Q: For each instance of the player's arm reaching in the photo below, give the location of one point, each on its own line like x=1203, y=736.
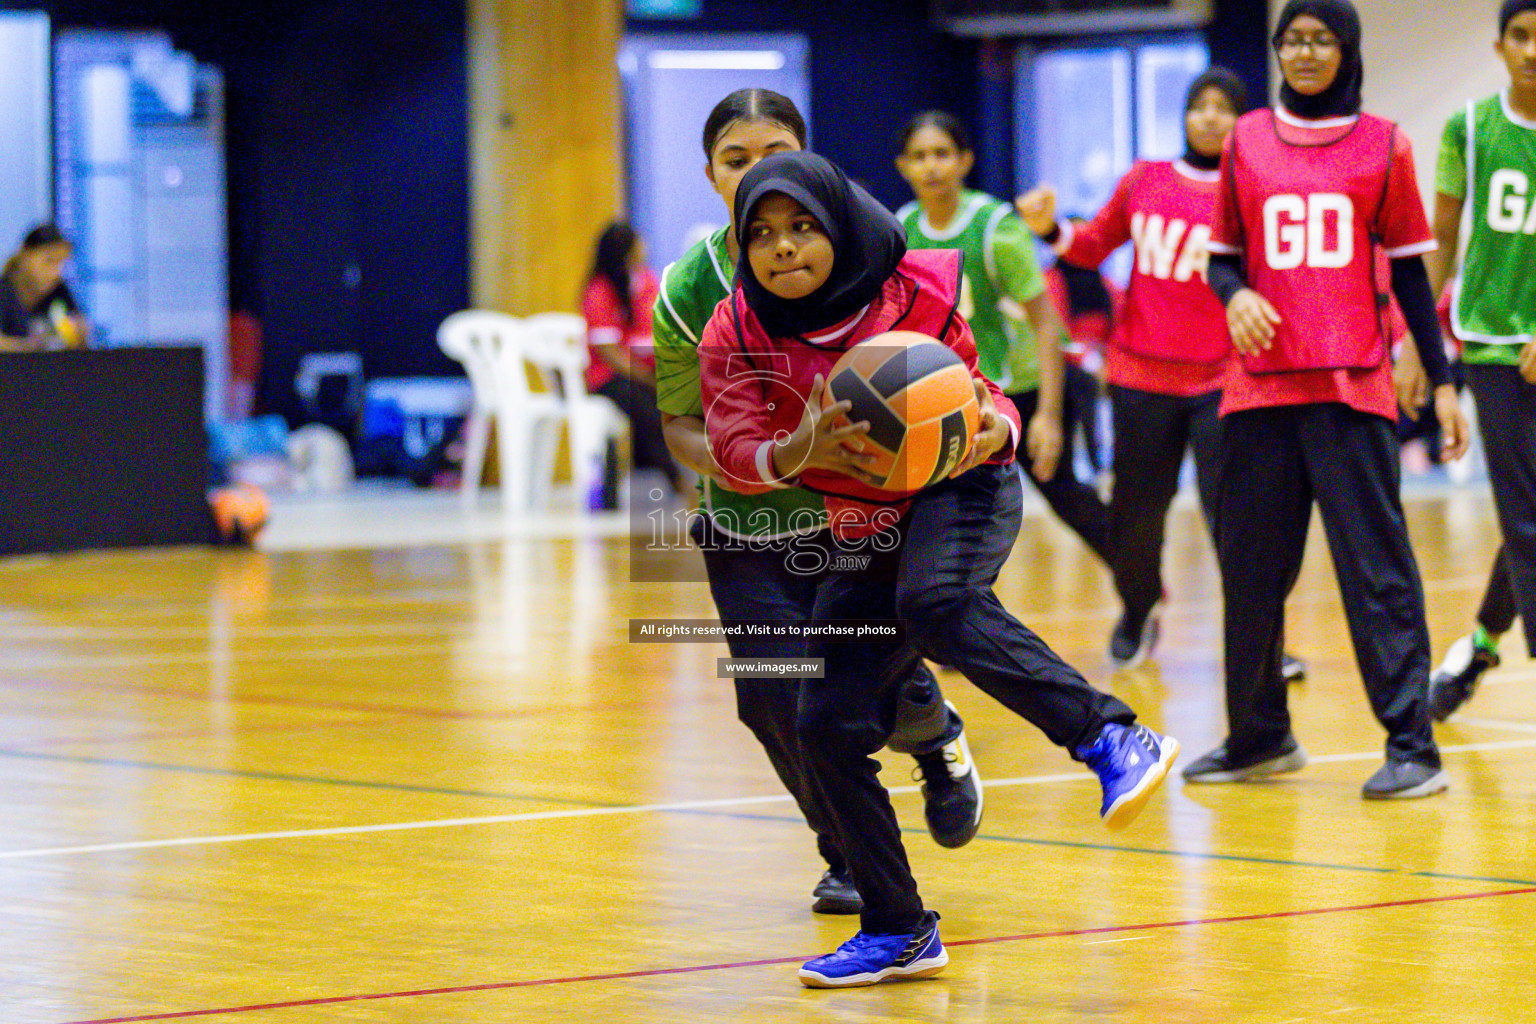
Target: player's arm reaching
x=1019, y=280
x=1083, y=244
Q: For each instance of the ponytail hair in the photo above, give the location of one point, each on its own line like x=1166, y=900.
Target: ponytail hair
x=753, y=105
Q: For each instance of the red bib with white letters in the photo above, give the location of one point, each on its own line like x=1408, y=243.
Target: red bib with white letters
x=1309, y=221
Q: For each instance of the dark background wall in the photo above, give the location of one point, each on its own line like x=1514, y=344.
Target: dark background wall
x=874, y=63
x=347, y=133
x=348, y=150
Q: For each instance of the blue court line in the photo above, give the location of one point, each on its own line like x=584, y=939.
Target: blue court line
x=1180, y=854
x=318, y=780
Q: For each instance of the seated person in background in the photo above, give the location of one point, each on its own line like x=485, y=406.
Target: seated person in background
x=37, y=309
x=616, y=303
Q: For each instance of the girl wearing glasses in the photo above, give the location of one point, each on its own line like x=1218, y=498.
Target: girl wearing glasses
x=1313, y=194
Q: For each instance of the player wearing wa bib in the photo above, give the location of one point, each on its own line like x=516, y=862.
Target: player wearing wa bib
x=1310, y=418
x=1488, y=159
x=1169, y=352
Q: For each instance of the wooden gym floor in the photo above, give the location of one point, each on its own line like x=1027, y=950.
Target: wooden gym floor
x=437, y=784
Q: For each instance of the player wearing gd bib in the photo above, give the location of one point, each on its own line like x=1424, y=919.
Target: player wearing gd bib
x=1308, y=193
x=1488, y=158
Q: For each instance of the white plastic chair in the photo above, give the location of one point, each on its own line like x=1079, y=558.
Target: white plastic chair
x=490, y=346
x=557, y=348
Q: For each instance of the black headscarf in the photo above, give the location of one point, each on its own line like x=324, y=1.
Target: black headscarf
x=1237, y=94
x=1510, y=9
x=867, y=241
x=1342, y=97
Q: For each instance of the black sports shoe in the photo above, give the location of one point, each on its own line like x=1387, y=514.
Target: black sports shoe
x=1455, y=681
x=1292, y=668
x=835, y=894
x=1130, y=643
x=1219, y=766
x=951, y=791
x=1404, y=780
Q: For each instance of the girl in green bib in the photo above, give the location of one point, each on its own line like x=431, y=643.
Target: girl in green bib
x=1017, y=330
x=1488, y=160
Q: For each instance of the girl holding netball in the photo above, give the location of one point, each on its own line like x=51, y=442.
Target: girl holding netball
x=823, y=267
x=1018, y=334
x=749, y=541
x=1309, y=191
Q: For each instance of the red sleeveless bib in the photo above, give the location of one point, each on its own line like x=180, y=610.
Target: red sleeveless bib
x=1310, y=216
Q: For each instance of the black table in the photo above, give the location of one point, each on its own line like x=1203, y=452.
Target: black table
x=102, y=449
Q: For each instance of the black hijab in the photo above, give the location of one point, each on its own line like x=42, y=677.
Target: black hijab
x=1237, y=94
x=867, y=242
x=1342, y=97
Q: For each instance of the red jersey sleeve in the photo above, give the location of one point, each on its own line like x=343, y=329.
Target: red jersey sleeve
x=1088, y=245
x=1403, y=227
x=1227, y=230
x=737, y=420
x=960, y=338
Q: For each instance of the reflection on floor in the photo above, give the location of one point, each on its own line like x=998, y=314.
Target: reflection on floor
x=390, y=769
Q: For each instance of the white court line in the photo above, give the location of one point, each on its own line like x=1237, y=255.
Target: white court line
x=1494, y=723
x=497, y=819
x=1510, y=677
x=595, y=812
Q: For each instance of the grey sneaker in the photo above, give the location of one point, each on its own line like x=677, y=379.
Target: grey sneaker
x=1292, y=668
x=1219, y=765
x=1405, y=780
x=835, y=894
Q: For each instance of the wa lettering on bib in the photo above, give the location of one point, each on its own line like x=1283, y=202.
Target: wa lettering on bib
x=1309, y=217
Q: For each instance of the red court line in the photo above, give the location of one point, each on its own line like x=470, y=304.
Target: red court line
x=660, y=972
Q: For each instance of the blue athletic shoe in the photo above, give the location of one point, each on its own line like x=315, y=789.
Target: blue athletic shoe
x=866, y=959
x=1131, y=761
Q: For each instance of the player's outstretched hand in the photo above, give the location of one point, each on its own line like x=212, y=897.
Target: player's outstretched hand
x=821, y=443
x=1037, y=208
x=1252, y=320
x=991, y=434
x=1453, y=424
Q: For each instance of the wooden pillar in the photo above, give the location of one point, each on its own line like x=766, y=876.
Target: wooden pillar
x=544, y=147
